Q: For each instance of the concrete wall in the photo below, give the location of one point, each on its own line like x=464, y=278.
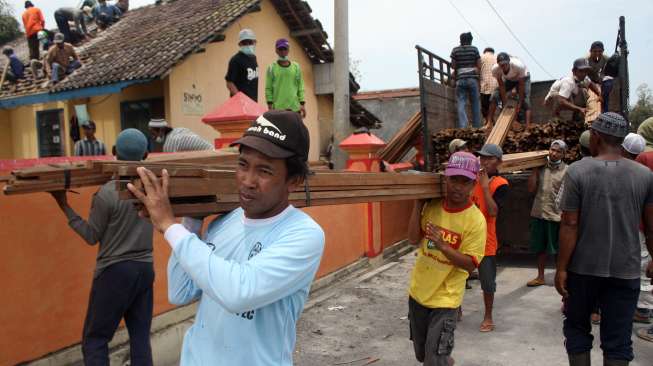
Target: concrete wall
x=46, y=274
x=393, y=112
x=203, y=74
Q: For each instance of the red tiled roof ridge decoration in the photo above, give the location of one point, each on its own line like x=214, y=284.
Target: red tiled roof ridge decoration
x=240, y=107
x=362, y=140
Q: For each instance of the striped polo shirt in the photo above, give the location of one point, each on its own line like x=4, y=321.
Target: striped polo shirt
x=87, y=147
x=464, y=59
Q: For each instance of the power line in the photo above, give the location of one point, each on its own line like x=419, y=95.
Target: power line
x=469, y=23
x=517, y=39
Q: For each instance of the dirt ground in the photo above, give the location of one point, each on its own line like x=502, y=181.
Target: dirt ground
x=364, y=323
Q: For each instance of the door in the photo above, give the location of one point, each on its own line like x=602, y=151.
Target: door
x=137, y=114
x=49, y=125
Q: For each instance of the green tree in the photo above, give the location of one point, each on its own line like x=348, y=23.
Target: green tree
x=9, y=26
x=643, y=108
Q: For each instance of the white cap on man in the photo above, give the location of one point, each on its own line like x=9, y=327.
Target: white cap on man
x=157, y=123
x=634, y=143
x=246, y=34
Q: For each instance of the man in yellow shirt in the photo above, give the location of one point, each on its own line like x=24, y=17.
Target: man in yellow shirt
x=451, y=234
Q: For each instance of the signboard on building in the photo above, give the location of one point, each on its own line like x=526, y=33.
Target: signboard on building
x=192, y=103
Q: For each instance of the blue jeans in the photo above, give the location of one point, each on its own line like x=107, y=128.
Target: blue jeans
x=606, y=89
x=56, y=69
x=465, y=87
x=617, y=300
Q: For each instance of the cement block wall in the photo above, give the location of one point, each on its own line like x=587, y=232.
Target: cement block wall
x=393, y=112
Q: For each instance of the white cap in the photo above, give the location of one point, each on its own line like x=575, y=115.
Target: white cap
x=634, y=143
x=246, y=34
x=157, y=123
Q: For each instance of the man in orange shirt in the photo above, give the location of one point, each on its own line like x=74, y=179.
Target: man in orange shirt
x=33, y=21
x=489, y=194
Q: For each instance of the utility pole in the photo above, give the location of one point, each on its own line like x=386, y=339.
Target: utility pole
x=624, y=82
x=341, y=81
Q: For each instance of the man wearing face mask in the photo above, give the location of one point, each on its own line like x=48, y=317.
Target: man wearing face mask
x=284, y=83
x=546, y=183
x=242, y=75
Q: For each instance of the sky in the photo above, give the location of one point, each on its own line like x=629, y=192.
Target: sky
x=383, y=34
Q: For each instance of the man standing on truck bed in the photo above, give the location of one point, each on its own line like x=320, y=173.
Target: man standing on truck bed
x=467, y=63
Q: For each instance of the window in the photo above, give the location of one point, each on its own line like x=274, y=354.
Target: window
x=136, y=114
x=49, y=125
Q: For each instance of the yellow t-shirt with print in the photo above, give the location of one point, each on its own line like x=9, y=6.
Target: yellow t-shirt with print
x=435, y=281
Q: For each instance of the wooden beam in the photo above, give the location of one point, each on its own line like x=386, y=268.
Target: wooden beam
x=502, y=125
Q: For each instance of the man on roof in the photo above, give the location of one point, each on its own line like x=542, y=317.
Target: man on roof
x=242, y=75
x=252, y=269
x=16, y=69
x=33, y=21
x=105, y=14
x=65, y=15
x=61, y=59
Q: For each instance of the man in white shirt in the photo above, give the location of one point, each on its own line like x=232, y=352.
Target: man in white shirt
x=511, y=73
x=563, y=91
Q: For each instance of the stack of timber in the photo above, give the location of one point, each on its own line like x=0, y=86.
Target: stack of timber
x=402, y=141
x=198, y=192
x=536, y=138
x=522, y=161
x=56, y=177
x=502, y=125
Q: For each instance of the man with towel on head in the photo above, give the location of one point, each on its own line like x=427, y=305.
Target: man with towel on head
x=167, y=139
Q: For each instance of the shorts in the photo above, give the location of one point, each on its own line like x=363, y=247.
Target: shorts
x=510, y=85
x=432, y=333
x=487, y=274
x=544, y=236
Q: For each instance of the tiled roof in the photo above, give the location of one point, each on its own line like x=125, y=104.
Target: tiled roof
x=145, y=44
x=148, y=42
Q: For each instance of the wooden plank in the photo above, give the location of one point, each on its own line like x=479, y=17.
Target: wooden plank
x=523, y=161
x=502, y=125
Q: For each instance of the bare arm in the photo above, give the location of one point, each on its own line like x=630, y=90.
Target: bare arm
x=232, y=88
x=492, y=207
x=566, y=104
x=532, y=180
x=568, y=238
x=595, y=88
x=458, y=259
x=502, y=91
x=414, y=226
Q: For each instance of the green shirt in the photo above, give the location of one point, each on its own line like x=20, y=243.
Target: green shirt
x=284, y=86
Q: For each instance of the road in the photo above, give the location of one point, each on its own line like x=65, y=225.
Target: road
x=365, y=320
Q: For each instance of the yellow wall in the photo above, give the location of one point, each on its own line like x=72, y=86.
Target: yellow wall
x=206, y=72
x=23, y=128
x=6, y=143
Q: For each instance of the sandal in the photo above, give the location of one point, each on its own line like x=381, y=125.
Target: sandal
x=535, y=283
x=486, y=327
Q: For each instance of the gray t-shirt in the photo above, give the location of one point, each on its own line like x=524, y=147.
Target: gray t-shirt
x=115, y=224
x=610, y=196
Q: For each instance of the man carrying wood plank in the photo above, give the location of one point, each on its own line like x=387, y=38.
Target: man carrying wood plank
x=253, y=270
x=450, y=233
x=489, y=195
x=124, y=273
x=564, y=91
x=604, y=200
x=545, y=215
x=511, y=73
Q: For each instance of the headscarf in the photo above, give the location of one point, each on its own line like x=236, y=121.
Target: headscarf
x=646, y=131
x=563, y=146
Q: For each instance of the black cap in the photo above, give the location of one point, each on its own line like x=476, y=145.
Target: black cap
x=277, y=134
x=503, y=58
x=491, y=150
x=581, y=64
x=597, y=44
x=611, y=123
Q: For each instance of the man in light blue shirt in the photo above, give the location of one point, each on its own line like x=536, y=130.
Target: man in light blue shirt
x=253, y=269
